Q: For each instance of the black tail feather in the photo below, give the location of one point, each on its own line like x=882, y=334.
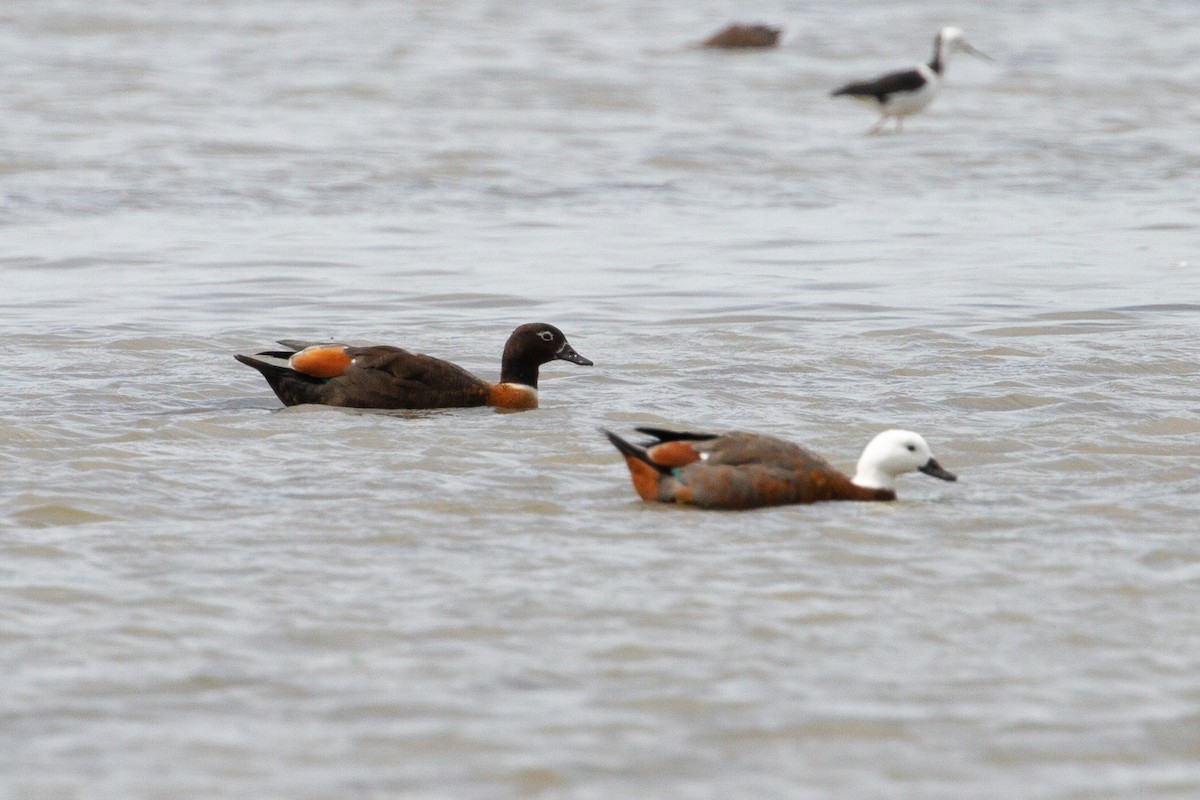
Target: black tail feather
x=663, y=435
x=268, y=369
x=291, y=387
x=296, y=345
x=632, y=450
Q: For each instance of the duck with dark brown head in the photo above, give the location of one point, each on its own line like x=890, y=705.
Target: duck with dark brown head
x=386, y=377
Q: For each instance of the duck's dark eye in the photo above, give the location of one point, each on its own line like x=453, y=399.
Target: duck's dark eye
x=912, y=448
x=546, y=336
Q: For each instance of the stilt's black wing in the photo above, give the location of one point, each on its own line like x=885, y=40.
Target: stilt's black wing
x=908, y=80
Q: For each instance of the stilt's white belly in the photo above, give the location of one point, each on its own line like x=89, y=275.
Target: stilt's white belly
x=901, y=104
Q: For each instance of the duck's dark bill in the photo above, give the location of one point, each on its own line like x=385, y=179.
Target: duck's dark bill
x=567, y=353
x=935, y=469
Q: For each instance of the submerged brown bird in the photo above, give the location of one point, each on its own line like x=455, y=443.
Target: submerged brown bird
x=381, y=376
x=735, y=37
x=748, y=470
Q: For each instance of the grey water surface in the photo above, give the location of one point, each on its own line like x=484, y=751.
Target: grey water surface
x=203, y=595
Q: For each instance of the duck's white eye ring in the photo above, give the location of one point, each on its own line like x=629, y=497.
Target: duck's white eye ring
x=546, y=336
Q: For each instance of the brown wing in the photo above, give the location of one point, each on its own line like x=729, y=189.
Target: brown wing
x=740, y=448
x=391, y=377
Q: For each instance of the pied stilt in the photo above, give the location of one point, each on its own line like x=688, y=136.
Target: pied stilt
x=901, y=94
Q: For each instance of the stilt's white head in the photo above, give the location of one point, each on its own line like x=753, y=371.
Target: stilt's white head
x=950, y=40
